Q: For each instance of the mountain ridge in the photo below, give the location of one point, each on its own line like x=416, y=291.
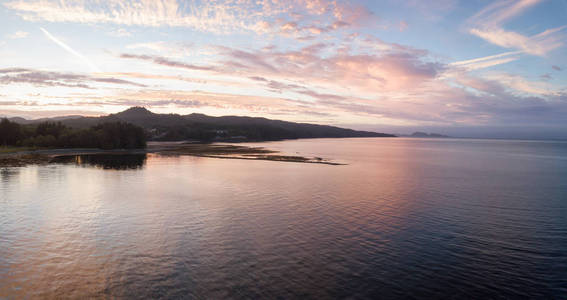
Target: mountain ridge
x=196, y=126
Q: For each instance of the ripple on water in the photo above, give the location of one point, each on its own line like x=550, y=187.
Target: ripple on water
x=405, y=218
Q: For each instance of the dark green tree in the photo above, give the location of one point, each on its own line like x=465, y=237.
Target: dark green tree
x=50, y=128
x=10, y=132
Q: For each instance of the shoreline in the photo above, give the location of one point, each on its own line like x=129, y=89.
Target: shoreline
x=221, y=151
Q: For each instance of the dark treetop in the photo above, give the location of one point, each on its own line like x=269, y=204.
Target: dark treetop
x=104, y=135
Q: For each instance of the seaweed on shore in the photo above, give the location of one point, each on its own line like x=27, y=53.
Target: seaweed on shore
x=23, y=160
x=193, y=149
x=210, y=149
x=239, y=152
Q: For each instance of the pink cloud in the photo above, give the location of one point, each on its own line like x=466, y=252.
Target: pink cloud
x=208, y=16
x=394, y=69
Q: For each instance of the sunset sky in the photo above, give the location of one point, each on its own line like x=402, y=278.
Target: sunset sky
x=457, y=67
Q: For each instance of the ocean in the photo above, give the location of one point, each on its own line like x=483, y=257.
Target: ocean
x=402, y=218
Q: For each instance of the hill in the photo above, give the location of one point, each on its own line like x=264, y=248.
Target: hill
x=420, y=134
x=175, y=127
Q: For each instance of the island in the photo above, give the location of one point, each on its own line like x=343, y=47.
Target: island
x=419, y=134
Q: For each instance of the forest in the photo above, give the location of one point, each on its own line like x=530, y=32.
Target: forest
x=109, y=135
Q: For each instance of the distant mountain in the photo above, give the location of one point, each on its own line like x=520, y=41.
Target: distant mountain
x=420, y=134
x=20, y=120
x=174, y=127
x=23, y=121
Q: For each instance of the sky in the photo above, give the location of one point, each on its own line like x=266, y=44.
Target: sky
x=473, y=68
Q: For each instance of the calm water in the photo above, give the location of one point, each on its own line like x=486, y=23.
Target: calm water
x=406, y=218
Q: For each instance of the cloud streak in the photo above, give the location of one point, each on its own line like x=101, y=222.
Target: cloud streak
x=50, y=78
x=487, y=24
x=81, y=57
x=487, y=61
x=502, y=11
x=160, y=60
x=539, y=44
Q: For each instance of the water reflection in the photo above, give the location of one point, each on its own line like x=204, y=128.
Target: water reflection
x=7, y=173
x=106, y=161
x=405, y=218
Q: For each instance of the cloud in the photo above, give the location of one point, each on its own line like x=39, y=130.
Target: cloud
x=539, y=44
x=116, y=81
x=289, y=27
x=19, y=103
x=487, y=61
x=556, y=68
x=277, y=86
x=48, y=78
x=487, y=24
x=220, y=17
x=172, y=49
x=219, y=102
x=322, y=99
x=166, y=62
x=501, y=11
x=482, y=85
x=398, y=69
x=83, y=58
x=335, y=70
x=349, y=13
x=30, y=113
x=212, y=103
x=149, y=76
x=141, y=13
x=490, y=100
x=120, y=32
x=379, y=83
x=519, y=83
x=496, y=104
x=180, y=103
x=18, y=35
x=388, y=71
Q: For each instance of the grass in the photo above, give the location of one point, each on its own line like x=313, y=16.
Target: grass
x=9, y=149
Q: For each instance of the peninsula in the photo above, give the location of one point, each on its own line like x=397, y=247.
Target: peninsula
x=40, y=141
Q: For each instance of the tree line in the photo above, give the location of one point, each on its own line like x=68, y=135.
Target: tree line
x=110, y=135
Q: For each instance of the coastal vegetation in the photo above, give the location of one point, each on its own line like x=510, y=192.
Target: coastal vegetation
x=108, y=135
